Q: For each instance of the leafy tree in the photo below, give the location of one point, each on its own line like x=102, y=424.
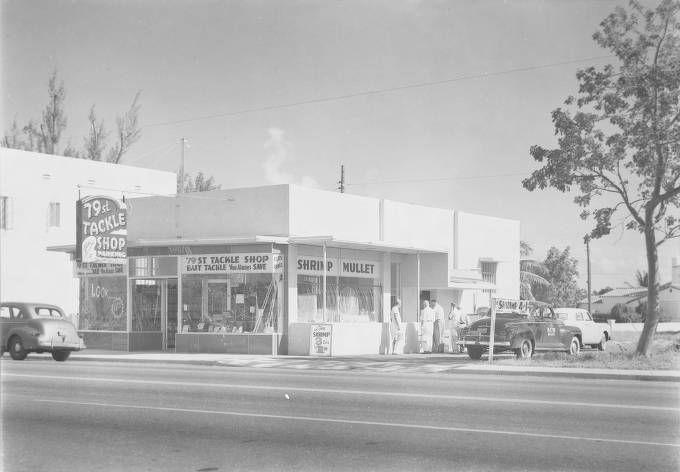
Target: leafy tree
x=642, y=278
x=200, y=183
x=530, y=273
x=619, y=139
x=45, y=135
x=561, y=270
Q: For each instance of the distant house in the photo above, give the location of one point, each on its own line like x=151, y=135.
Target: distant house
x=669, y=298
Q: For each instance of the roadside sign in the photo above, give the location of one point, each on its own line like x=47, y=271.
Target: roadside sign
x=320, y=339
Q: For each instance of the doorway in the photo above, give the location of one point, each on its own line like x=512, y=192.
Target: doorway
x=170, y=309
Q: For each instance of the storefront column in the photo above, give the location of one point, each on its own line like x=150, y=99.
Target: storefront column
x=418, y=287
x=387, y=287
x=291, y=269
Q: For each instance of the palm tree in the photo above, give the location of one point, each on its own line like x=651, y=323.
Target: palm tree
x=530, y=273
x=642, y=278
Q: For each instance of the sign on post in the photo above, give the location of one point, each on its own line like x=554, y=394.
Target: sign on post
x=101, y=233
x=320, y=339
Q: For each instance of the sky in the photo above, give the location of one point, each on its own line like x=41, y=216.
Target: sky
x=274, y=91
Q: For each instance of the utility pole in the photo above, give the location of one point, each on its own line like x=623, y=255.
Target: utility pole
x=181, y=166
x=342, y=179
x=587, y=238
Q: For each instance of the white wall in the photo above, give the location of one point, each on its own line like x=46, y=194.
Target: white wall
x=417, y=226
x=244, y=212
x=32, y=180
x=341, y=215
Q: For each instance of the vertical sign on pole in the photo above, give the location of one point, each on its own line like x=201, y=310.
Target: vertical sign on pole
x=492, y=329
x=325, y=270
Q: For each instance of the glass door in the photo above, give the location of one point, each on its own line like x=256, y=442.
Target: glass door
x=170, y=308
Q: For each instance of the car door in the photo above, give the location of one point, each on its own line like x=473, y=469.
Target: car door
x=552, y=326
x=594, y=333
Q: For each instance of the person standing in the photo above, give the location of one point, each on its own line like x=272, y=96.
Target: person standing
x=438, y=331
x=426, y=327
x=396, y=325
x=461, y=321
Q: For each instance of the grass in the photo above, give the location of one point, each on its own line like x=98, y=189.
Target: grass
x=665, y=355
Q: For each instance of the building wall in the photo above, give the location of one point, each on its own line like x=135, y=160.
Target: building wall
x=244, y=212
x=417, y=226
x=32, y=180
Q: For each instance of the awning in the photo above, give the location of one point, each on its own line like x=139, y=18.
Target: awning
x=332, y=242
x=472, y=285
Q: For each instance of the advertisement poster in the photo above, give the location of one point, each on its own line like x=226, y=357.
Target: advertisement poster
x=250, y=263
x=320, y=340
x=507, y=305
x=101, y=234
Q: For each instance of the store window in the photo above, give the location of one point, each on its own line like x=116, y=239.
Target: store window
x=146, y=304
x=153, y=266
x=353, y=290
x=54, y=219
x=232, y=293
x=103, y=301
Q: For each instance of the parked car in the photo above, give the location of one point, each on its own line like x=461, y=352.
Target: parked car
x=524, y=333
x=36, y=327
x=594, y=334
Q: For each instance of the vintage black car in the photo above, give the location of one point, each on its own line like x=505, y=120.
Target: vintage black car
x=539, y=329
x=36, y=327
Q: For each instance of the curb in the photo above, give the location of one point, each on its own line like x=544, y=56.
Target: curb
x=658, y=376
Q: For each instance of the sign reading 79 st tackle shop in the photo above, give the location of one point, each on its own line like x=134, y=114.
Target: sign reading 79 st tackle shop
x=101, y=234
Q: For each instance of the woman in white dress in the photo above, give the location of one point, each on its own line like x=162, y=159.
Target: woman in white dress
x=396, y=326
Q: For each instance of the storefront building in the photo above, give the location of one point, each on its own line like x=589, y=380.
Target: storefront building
x=289, y=270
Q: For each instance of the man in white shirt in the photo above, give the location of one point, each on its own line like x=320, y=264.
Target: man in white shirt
x=438, y=333
x=426, y=327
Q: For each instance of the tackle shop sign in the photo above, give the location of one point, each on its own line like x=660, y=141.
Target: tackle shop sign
x=101, y=234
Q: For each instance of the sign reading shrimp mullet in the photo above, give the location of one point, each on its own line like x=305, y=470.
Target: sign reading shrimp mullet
x=101, y=234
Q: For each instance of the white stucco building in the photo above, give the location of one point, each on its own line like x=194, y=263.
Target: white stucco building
x=38, y=194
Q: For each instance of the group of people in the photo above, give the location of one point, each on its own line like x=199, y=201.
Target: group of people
x=434, y=327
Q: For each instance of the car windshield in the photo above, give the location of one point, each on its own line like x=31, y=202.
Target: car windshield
x=44, y=312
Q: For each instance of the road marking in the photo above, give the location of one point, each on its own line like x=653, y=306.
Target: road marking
x=352, y=392
x=358, y=422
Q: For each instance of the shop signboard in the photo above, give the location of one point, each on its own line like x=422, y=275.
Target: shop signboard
x=81, y=269
x=242, y=263
x=101, y=230
x=508, y=305
x=320, y=339
x=312, y=265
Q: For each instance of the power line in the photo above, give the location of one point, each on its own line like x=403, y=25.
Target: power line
x=440, y=179
x=374, y=92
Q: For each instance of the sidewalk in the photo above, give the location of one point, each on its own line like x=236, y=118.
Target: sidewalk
x=411, y=363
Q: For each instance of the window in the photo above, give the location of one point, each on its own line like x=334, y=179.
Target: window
x=44, y=312
x=5, y=312
x=579, y=316
x=5, y=216
x=54, y=220
x=103, y=302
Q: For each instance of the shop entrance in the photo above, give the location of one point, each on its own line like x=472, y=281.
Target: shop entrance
x=169, y=319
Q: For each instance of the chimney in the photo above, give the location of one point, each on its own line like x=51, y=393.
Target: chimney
x=675, y=272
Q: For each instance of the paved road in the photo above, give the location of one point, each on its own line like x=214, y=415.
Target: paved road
x=84, y=416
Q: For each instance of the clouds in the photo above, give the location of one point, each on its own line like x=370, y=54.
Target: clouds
x=278, y=160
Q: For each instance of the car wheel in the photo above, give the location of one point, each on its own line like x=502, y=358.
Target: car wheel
x=16, y=349
x=60, y=356
x=603, y=343
x=474, y=352
x=574, y=346
x=525, y=350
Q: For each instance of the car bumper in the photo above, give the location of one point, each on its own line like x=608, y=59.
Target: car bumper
x=58, y=344
x=468, y=342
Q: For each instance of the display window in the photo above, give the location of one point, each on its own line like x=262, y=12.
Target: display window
x=233, y=303
x=103, y=302
x=146, y=305
x=348, y=299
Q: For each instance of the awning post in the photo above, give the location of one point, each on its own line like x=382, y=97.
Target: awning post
x=418, y=287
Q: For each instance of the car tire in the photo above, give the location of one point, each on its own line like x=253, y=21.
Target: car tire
x=603, y=343
x=574, y=346
x=60, y=356
x=474, y=352
x=16, y=348
x=525, y=350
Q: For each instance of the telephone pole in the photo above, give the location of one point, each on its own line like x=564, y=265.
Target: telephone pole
x=587, y=238
x=342, y=179
x=181, y=166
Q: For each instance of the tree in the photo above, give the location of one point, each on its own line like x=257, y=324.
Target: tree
x=198, y=184
x=642, y=278
x=45, y=135
x=530, y=273
x=619, y=140
x=561, y=270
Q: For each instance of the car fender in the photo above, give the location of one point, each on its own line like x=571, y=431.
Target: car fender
x=27, y=335
x=521, y=336
x=572, y=331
